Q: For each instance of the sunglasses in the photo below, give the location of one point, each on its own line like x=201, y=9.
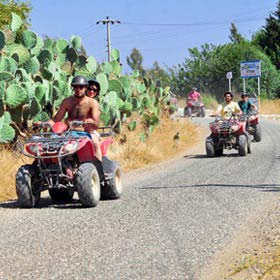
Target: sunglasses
x=79, y=86
x=92, y=89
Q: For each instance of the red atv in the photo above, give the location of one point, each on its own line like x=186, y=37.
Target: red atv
x=228, y=134
x=194, y=107
x=64, y=162
x=253, y=125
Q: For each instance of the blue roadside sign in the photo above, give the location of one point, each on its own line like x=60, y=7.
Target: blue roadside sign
x=250, y=69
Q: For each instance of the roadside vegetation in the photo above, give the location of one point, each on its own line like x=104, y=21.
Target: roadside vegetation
x=270, y=106
x=265, y=266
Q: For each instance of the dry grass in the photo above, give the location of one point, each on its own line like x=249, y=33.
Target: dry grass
x=130, y=152
x=133, y=153
x=270, y=106
x=265, y=266
x=9, y=162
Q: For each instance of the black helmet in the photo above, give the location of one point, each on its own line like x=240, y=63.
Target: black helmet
x=244, y=94
x=228, y=92
x=94, y=83
x=79, y=81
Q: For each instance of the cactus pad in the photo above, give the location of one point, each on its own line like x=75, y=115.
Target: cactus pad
x=16, y=95
x=28, y=39
x=76, y=42
x=32, y=66
x=16, y=22
x=91, y=64
x=102, y=79
x=2, y=40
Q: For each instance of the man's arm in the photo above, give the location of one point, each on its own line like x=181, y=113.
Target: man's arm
x=58, y=116
x=251, y=105
x=237, y=109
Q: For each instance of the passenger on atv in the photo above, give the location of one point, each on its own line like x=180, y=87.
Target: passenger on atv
x=250, y=112
x=245, y=104
x=80, y=107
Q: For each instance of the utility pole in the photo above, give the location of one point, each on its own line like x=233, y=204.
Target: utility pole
x=108, y=21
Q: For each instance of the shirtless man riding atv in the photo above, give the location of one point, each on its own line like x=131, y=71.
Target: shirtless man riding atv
x=80, y=107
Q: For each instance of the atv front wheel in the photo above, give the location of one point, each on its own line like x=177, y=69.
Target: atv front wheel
x=189, y=111
x=61, y=194
x=243, y=144
x=210, y=149
x=112, y=189
x=25, y=193
x=88, y=184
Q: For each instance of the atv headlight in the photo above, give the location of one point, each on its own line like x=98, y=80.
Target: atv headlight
x=32, y=148
x=70, y=147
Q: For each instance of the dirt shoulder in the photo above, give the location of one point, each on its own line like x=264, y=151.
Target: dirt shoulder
x=254, y=252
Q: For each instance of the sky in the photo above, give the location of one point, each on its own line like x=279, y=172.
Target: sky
x=163, y=30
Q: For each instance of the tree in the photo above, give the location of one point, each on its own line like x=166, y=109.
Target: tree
x=159, y=75
x=135, y=60
x=235, y=36
x=7, y=7
x=206, y=69
x=268, y=38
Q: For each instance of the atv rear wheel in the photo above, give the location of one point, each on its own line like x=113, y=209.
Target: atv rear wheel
x=61, y=194
x=113, y=188
x=249, y=145
x=88, y=184
x=25, y=193
x=258, y=133
x=242, y=144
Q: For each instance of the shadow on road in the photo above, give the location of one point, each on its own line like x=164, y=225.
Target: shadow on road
x=205, y=156
x=45, y=202
x=262, y=187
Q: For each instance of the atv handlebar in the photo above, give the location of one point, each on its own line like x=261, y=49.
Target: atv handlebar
x=37, y=125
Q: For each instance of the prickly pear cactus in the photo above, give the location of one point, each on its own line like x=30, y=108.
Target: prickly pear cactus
x=35, y=76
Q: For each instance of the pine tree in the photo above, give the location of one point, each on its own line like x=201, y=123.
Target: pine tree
x=235, y=36
x=268, y=38
x=135, y=60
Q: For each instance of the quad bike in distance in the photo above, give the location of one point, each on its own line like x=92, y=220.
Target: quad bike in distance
x=194, y=107
x=65, y=163
x=228, y=134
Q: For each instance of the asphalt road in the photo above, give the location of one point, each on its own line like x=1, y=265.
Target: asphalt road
x=170, y=220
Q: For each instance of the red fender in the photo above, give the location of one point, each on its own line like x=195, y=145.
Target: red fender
x=105, y=144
